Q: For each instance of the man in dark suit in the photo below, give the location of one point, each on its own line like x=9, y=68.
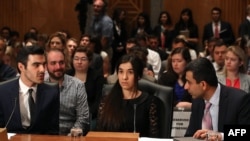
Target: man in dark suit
x=228, y=105
x=224, y=29
x=244, y=28
x=30, y=111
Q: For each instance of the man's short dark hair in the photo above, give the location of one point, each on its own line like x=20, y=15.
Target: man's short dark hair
x=203, y=70
x=216, y=9
x=24, y=52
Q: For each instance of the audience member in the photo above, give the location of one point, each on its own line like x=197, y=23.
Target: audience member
x=164, y=31
x=218, y=28
x=209, y=47
x=92, y=79
x=173, y=76
x=58, y=40
x=154, y=45
x=153, y=57
x=6, y=34
x=35, y=103
x=128, y=101
x=6, y=71
x=234, y=74
x=186, y=27
x=224, y=105
x=74, y=110
x=219, y=53
x=120, y=36
x=143, y=26
x=244, y=28
x=102, y=26
x=71, y=45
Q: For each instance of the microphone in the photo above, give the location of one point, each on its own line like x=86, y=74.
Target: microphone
x=3, y=131
x=11, y=115
x=134, y=118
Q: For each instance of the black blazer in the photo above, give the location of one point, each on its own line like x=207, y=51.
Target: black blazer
x=47, y=108
x=226, y=32
x=244, y=28
x=234, y=108
x=169, y=36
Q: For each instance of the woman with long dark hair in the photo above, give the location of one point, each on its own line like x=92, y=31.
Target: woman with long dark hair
x=117, y=109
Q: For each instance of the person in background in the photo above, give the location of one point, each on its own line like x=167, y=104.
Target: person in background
x=6, y=71
x=244, y=28
x=93, y=80
x=173, y=76
x=164, y=31
x=186, y=27
x=106, y=66
x=214, y=105
x=59, y=40
x=218, y=28
x=219, y=52
x=143, y=26
x=34, y=102
x=6, y=34
x=234, y=74
x=120, y=36
x=102, y=26
x=128, y=99
x=154, y=45
x=71, y=45
x=74, y=110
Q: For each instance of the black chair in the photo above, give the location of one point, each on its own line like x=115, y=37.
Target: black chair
x=165, y=94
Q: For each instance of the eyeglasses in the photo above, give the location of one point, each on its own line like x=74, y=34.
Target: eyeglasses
x=81, y=59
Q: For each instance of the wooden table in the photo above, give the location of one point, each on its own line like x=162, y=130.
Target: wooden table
x=32, y=137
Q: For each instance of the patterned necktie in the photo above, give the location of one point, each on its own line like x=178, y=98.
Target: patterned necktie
x=207, y=119
x=31, y=105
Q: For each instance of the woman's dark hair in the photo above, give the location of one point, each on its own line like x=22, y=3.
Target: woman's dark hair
x=190, y=22
x=169, y=20
x=88, y=52
x=113, y=117
x=146, y=19
x=184, y=52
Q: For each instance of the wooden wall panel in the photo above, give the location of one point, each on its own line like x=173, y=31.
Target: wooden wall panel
x=46, y=15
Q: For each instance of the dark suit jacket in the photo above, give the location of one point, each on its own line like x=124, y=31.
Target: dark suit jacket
x=244, y=28
x=47, y=108
x=93, y=85
x=226, y=32
x=234, y=108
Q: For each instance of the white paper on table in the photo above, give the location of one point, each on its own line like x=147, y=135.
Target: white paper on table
x=10, y=135
x=154, y=139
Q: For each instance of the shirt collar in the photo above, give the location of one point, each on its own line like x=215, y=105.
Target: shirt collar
x=24, y=88
x=216, y=96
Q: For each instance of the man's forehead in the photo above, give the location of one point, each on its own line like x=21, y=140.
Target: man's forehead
x=36, y=58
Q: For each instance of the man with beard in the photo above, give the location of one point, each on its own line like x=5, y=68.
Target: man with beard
x=27, y=104
x=74, y=110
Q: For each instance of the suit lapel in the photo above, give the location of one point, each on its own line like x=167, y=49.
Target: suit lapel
x=15, y=96
x=222, y=108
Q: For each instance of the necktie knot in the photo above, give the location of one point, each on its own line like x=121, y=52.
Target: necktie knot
x=30, y=91
x=208, y=105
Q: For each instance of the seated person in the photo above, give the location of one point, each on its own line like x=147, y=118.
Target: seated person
x=35, y=112
x=173, y=76
x=234, y=74
x=214, y=105
x=127, y=109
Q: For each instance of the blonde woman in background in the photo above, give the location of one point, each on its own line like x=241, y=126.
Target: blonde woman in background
x=235, y=69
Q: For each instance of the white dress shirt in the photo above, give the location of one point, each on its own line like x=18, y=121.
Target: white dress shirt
x=24, y=104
